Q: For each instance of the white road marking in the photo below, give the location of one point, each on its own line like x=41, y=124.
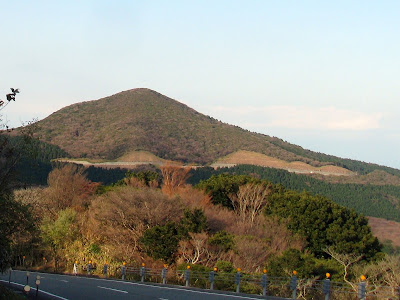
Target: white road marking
x=64, y=280
x=190, y=291
x=40, y=291
x=121, y=291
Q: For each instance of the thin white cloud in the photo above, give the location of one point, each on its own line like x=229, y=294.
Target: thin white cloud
x=301, y=117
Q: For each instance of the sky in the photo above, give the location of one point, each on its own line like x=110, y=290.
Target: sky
x=320, y=74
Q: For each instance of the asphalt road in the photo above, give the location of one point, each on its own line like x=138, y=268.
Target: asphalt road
x=69, y=287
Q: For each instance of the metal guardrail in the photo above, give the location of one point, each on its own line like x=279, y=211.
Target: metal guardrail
x=262, y=284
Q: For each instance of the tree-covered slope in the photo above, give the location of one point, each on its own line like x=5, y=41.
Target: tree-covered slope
x=321, y=221
x=382, y=201
x=34, y=159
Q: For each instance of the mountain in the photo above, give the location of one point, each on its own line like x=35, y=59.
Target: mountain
x=144, y=120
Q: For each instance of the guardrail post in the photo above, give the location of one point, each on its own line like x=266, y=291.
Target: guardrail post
x=326, y=286
x=237, y=280
x=105, y=269
x=293, y=285
x=37, y=285
x=142, y=273
x=187, y=275
x=264, y=283
x=123, y=270
x=361, y=290
x=164, y=275
x=211, y=277
x=89, y=267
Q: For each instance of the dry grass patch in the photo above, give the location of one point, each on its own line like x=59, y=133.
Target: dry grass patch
x=385, y=230
x=258, y=159
x=140, y=156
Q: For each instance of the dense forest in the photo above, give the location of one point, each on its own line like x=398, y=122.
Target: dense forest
x=34, y=159
x=35, y=162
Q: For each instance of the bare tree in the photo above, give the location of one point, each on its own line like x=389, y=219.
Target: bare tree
x=68, y=187
x=250, y=199
x=383, y=276
x=194, y=250
x=346, y=260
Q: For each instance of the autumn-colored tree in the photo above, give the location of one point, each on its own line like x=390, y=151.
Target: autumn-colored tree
x=174, y=177
x=120, y=217
x=194, y=198
x=34, y=198
x=68, y=187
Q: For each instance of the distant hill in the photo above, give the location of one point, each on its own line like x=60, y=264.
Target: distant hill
x=144, y=120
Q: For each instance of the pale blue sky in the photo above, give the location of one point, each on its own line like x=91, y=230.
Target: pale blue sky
x=321, y=75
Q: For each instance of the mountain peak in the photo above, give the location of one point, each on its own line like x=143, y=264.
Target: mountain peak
x=143, y=119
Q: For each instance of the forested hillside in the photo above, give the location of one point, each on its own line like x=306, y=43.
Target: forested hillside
x=370, y=200
x=164, y=220
x=380, y=201
x=34, y=159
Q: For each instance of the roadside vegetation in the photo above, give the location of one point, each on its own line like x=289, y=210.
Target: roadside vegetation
x=230, y=220
x=7, y=294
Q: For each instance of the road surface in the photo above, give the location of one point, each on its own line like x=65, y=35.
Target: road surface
x=66, y=287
